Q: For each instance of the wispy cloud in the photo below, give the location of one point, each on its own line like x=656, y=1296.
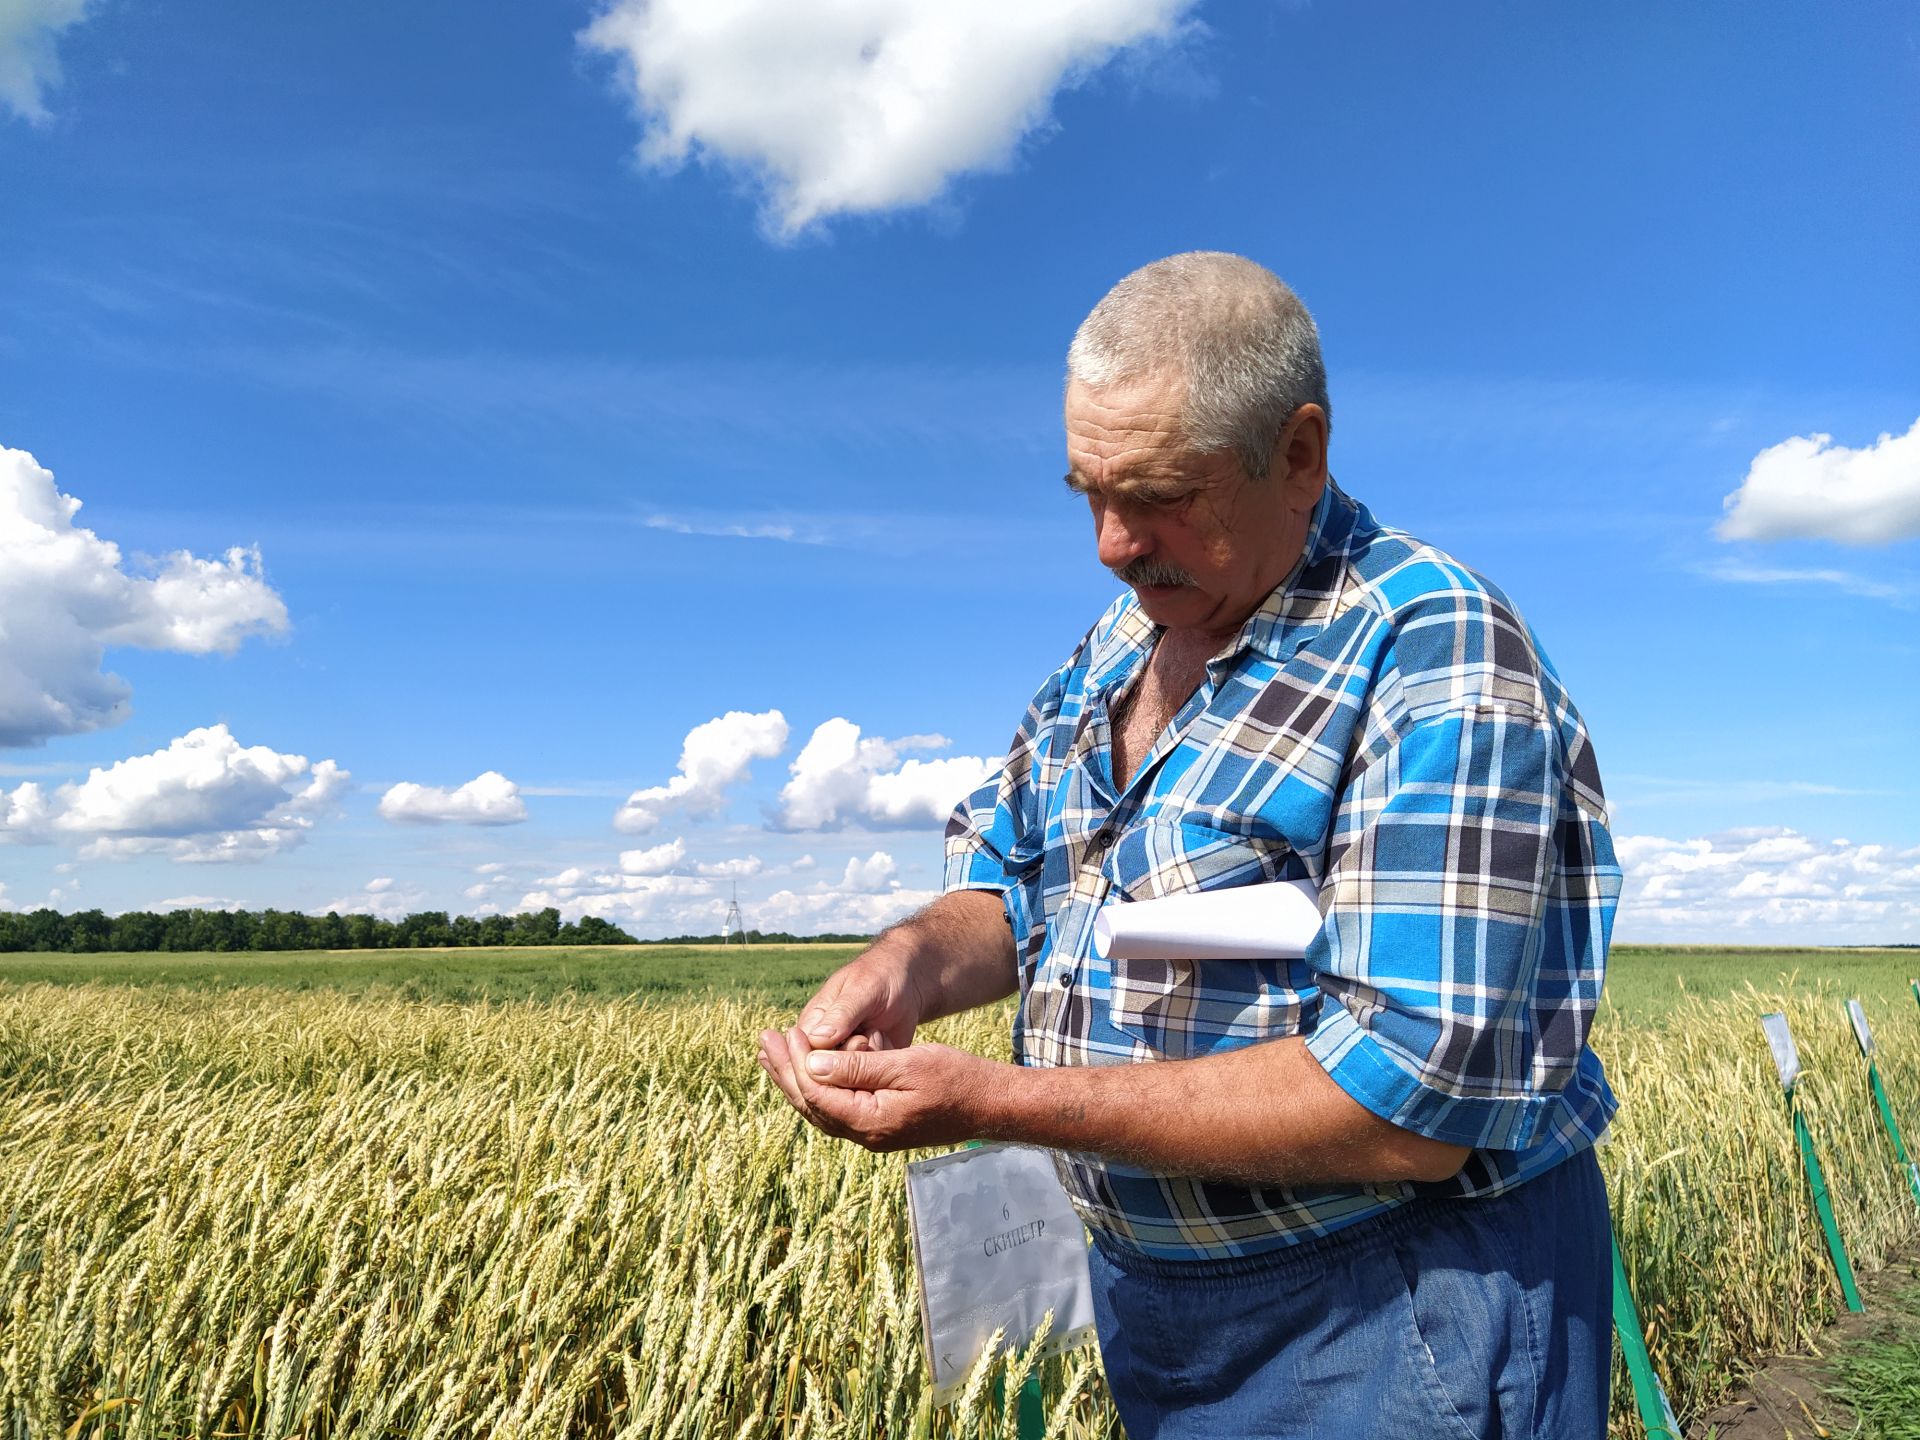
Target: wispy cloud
x=1645, y=790
x=744, y=528
x=1740, y=572
x=29, y=62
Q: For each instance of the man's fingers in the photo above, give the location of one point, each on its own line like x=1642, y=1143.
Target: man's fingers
x=828, y=1022
x=775, y=1060
x=855, y=1069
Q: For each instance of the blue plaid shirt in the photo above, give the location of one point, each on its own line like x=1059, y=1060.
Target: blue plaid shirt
x=1388, y=727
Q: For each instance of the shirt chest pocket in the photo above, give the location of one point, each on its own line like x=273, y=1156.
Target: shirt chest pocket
x=1180, y=1009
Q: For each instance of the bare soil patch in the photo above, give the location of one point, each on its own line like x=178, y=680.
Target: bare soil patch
x=1792, y=1397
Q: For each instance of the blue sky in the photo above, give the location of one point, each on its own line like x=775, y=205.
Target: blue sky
x=571, y=378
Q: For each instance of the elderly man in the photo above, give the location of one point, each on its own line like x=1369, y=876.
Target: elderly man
x=1353, y=1194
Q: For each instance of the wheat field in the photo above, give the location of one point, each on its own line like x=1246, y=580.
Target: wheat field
x=252, y=1212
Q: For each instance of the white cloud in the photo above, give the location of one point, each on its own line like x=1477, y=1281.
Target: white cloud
x=382, y=898
x=818, y=911
x=666, y=902
x=850, y=106
x=875, y=875
x=29, y=63
x=840, y=779
x=487, y=799
x=1808, y=487
x=740, y=868
x=654, y=860
x=1769, y=884
x=198, y=902
x=743, y=529
x=867, y=897
x=67, y=597
x=203, y=798
x=715, y=756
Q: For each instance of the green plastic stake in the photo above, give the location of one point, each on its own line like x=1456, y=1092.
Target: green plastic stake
x=1863, y=1033
x=1030, y=1411
x=1649, y=1395
x=1817, y=1181
x=1893, y=1131
x=1786, y=1059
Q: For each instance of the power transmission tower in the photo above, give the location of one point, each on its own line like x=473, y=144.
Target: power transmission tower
x=734, y=924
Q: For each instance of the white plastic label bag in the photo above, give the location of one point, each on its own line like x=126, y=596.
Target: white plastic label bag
x=997, y=1245
x=1862, y=1032
x=1274, y=921
x=1786, y=1059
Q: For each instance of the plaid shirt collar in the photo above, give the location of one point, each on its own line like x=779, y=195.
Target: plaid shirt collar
x=1296, y=610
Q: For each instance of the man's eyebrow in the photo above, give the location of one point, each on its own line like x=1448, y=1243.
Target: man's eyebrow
x=1149, y=481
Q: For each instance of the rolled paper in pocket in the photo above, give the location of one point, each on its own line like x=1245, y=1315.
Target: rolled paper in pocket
x=1275, y=921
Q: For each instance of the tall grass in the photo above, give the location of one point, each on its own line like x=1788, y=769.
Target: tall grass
x=263, y=1213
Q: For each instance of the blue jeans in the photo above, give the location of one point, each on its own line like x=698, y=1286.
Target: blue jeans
x=1456, y=1319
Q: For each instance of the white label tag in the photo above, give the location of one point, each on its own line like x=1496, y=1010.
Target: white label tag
x=1786, y=1059
x=1862, y=1032
x=998, y=1245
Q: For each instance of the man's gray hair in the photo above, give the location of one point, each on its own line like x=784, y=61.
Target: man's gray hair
x=1240, y=340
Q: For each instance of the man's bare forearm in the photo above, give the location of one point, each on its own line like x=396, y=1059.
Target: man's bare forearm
x=959, y=952
x=1264, y=1115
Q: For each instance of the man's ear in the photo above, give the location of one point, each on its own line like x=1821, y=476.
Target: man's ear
x=1299, y=463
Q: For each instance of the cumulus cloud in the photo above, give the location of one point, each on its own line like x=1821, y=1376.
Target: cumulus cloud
x=874, y=875
x=849, y=106
x=739, y=868
x=198, y=902
x=67, y=596
x=715, y=756
x=382, y=897
x=654, y=860
x=658, y=891
x=839, y=778
x=1769, y=884
x=487, y=799
x=1810, y=488
x=815, y=911
x=29, y=61
x=205, y=797
x=666, y=902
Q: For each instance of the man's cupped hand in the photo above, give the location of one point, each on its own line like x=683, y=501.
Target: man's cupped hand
x=882, y=1098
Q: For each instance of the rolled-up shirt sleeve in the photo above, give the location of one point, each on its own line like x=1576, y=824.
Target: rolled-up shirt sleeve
x=984, y=829
x=1467, y=901
x=995, y=833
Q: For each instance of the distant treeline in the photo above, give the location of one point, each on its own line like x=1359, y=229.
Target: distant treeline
x=92, y=931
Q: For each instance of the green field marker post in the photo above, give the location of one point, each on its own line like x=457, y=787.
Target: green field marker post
x=1863, y=1033
x=1030, y=1411
x=1649, y=1395
x=1786, y=1059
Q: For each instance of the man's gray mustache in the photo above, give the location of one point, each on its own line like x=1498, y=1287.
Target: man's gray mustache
x=1148, y=571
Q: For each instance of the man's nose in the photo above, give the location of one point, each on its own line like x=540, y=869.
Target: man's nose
x=1120, y=543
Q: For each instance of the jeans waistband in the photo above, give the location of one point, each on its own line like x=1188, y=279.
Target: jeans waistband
x=1404, y=1217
